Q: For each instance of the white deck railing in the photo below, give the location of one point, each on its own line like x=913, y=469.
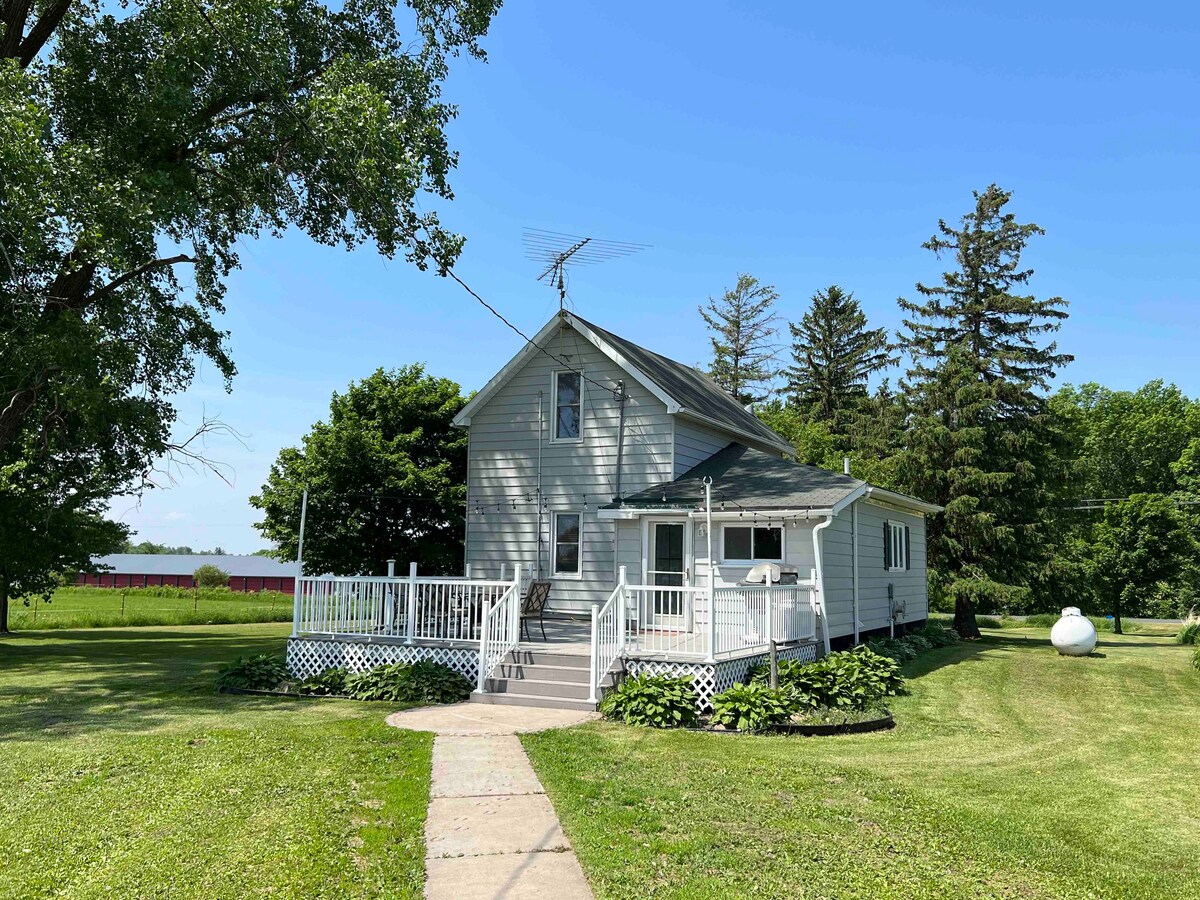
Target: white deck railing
x=500, y=629
x=681, y=621
x=414, y=608
x=608, y=635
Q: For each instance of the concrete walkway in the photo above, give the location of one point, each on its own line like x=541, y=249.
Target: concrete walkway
x=491, y=832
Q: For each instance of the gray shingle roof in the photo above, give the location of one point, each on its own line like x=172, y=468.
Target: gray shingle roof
x=751, y=478
x=691, y=389
x=186, y=564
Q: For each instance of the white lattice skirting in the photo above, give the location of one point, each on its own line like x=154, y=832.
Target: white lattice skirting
x=710, y=679
x=312, y=655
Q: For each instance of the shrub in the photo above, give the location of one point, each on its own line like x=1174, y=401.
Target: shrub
x=1196, y=658
x=430, y=682
x=753, y=707
x=893, y=648
x=210, y=576
x=380, y=683
x=918, y=642
x=847, y=678
x=1190, y=632
x=658, y=701
x=254, y=673
x=331, y=681
x=939, y=635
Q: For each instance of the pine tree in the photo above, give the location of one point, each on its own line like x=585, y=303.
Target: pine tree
x=743, y=340
x=981, y=440
x=833, y=354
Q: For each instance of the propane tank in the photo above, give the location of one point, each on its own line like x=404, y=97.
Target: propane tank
x=1073, y=634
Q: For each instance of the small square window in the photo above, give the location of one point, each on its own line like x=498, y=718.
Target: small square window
x=752, y=544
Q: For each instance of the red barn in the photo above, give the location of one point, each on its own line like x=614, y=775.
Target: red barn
x=135, y=570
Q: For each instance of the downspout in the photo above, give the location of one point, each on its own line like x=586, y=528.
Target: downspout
x=621, y=398
x=854, y=525
x=538, y=496
x=820, y=586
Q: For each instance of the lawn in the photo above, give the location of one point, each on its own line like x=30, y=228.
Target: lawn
x=123, y=607
x=1013, y=772
x=122, y=774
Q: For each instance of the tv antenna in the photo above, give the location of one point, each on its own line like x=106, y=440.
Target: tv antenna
x=558, y=251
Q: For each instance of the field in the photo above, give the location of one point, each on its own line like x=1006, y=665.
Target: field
x=125, y=775
x=1013, y=772
x=91, y=607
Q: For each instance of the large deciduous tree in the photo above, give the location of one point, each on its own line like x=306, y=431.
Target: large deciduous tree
x=743, y=339
x=833, y=355
x=386, y=477
x=981, y=440
x=140, y=143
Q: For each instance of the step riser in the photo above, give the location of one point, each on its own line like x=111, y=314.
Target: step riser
x=544, y=690
x=539, y=702
x=549, y=658
x=519, y=672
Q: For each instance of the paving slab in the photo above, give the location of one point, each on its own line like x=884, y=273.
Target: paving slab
x=477, y=766
x=475, y=826
x=512, y=876
x=480, y=718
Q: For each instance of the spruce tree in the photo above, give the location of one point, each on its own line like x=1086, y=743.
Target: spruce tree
x=744, y=339
x=833, y=355
x=981, y=441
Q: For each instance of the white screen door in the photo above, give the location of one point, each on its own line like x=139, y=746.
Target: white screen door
x=668, y=567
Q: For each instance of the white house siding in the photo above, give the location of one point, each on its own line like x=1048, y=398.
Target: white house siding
x=797, y=551
x=694, y=444
x=578, y=477
x=873, y=580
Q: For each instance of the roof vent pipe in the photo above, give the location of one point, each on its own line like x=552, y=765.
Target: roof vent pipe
x=846, y=465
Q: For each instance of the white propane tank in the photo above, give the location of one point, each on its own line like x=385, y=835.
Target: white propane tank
x=1073, y=635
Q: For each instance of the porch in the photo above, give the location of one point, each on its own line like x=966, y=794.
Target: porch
x=474, y=625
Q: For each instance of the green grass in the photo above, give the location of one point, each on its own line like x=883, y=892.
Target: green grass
x=90, y=607
x=123, y=774
x=1013, y=772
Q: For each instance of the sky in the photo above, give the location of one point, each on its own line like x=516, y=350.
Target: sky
x=805, y=144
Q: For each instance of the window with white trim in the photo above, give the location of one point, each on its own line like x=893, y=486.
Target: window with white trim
x=895, y=546
x=568, y=544
x=751, y=544
x=568, y=406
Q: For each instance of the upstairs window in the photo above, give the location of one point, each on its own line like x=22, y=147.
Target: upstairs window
x=752, y=544
x=895, y=546
x=568, y=406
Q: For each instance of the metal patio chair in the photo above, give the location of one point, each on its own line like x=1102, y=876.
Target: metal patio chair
x=534, y=604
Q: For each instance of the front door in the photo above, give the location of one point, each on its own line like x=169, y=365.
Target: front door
x=668, y=567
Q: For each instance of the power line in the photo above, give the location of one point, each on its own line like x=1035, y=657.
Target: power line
x=284, y=100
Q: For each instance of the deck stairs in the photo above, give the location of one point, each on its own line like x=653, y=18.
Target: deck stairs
x=530, y=676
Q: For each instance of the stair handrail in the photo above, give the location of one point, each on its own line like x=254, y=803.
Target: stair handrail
x=499, y=629
x=608, y=635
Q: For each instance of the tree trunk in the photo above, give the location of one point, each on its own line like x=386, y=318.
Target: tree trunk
x=964, y=619
x=3, y=605
x=1117, y=615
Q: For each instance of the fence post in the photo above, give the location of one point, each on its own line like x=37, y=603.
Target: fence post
x=411, y=625
x=595, y=660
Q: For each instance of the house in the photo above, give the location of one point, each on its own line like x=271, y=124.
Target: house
x=646, y=496
x=139, y=570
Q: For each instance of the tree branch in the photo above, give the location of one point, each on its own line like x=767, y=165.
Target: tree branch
x=41, y=32
x=14, y=15
x=117, y=282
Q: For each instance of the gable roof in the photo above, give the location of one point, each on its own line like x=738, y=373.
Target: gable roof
x=685, y=390
x=744, y=477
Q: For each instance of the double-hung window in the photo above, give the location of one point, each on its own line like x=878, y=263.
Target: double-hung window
x=895, y=546
x=568, y=544
x=748, y=544
x=568, y=406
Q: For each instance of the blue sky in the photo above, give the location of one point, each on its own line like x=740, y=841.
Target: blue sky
x=805, y=144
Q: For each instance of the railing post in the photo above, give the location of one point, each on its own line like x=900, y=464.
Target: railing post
x=770, y=611
x=595, y=666
x=411, y=625
x=467, y=571
x=514, y=617
x=503, y=569
x=622, y=615
x=296, y=607
x=712, y=619
x=483, y=645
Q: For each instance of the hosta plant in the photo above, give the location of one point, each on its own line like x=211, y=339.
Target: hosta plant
x=658, y=701
x=331, y=681
x=253, y=673
x=753, y=707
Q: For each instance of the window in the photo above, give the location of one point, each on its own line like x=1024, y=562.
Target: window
x=895, y=546
x=568, y=544
x=752, y=544
x=568, y=406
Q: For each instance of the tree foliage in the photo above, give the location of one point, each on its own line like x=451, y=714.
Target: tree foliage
x=982, y=442
x=210, y=576
x=833, y=355
x=743, y=339
x=386, y=479
x=140, y=143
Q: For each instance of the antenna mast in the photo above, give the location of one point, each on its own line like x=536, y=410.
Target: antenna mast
x=558, y=251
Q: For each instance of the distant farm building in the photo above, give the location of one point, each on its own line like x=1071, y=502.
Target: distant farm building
x=137, y=570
